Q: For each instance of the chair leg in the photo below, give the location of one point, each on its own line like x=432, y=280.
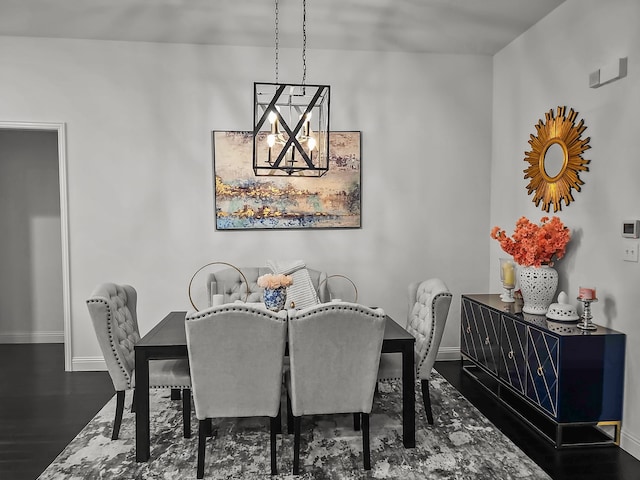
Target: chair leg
x=296, y=445
x=426, y=399
x=366, y=453
x=356, y=421
x=186, y=412
x=278, y=421
x=290, y=420
x=275, y=426
x=203, y=426
x=175, y=394
x=133, y=402
x=120, y=394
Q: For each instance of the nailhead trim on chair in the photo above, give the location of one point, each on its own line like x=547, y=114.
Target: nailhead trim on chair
x=111, y=339
x=433, y=323
x=230, y=308
x=173, y=385
x=431, y=333
x=339, y=306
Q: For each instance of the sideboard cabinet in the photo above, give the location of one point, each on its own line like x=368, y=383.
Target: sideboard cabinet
x=564, y=382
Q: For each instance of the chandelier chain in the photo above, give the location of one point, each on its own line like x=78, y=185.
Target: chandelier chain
x=304, y=41
x=277, y=39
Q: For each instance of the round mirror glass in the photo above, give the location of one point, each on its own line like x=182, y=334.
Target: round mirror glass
x=553, y=160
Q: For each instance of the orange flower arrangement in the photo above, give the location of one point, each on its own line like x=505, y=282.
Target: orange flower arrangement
x=533, y=245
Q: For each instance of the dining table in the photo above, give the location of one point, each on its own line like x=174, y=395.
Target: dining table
x=167, y=340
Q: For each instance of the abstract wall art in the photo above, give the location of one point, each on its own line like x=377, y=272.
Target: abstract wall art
x=244, y=201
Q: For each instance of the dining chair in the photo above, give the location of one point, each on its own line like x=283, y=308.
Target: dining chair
x=236, y=354
x=113, y=311
x=334, y=352
x=429, y=303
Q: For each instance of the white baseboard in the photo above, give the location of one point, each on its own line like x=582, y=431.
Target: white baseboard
x=88, y=364
x=448, y=354
x=630, y=444
x=32, y=337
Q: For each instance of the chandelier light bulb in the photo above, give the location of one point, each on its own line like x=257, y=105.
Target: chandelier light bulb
x=271, y=140
x=307, y=121
x=311, y=143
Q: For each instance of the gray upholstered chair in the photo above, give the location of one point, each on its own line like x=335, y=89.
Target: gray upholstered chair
x=429, y=303
x=230, y=283
x=113, y=312
x=236, y=354
x=334, y=352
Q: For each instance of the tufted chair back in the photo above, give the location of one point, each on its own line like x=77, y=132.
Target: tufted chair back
x=429, y=303
x=229, y=283
x=113, y=313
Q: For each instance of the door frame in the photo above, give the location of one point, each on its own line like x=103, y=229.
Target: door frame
x=60, y=128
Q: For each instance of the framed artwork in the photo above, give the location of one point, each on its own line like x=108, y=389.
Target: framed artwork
x=244, y=201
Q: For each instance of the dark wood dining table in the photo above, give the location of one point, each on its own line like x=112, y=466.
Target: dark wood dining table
x=168, y=340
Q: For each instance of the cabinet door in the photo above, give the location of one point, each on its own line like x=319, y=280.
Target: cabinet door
x=467, y=339
x=480, y=334
x=542, y=370
x=513, y=353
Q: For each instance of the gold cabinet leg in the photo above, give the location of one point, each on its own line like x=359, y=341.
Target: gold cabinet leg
x=617, y=425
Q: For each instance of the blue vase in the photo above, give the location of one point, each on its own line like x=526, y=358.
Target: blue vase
x=275, y=298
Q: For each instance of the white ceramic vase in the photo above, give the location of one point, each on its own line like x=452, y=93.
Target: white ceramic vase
x=538, y=286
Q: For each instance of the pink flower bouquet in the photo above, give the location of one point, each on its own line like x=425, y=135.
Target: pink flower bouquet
x=274, y=280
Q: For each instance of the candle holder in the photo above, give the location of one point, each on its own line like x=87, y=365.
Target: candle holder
x=586, y=317
x=508, y=279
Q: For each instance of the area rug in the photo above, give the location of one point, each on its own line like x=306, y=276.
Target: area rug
x=462, y=444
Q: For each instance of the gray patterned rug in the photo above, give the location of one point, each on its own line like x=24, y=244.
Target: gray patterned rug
x=462, y=444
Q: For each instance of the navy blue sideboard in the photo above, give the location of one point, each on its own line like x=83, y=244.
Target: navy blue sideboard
x=564, y=382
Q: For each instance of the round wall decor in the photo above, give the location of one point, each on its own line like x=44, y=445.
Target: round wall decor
x=555, y=159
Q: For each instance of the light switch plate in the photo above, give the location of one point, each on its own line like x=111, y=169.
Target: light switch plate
x=630, y=252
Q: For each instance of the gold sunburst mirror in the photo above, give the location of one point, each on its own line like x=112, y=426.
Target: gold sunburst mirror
x=555, y=159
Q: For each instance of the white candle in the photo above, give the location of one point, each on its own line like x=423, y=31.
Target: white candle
x=217, y=299
x=508, y=274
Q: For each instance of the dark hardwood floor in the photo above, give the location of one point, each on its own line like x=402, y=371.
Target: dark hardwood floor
x=42, y=408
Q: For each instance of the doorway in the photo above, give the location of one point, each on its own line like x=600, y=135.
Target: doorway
x=34, y=283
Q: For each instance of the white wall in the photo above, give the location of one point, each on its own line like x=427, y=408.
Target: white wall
x=31, y=274
x=139, y=119
x=549, y=66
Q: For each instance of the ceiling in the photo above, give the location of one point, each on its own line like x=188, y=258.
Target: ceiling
x=437, y=26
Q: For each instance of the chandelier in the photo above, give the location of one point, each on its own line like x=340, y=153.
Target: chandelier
x=291, y=122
